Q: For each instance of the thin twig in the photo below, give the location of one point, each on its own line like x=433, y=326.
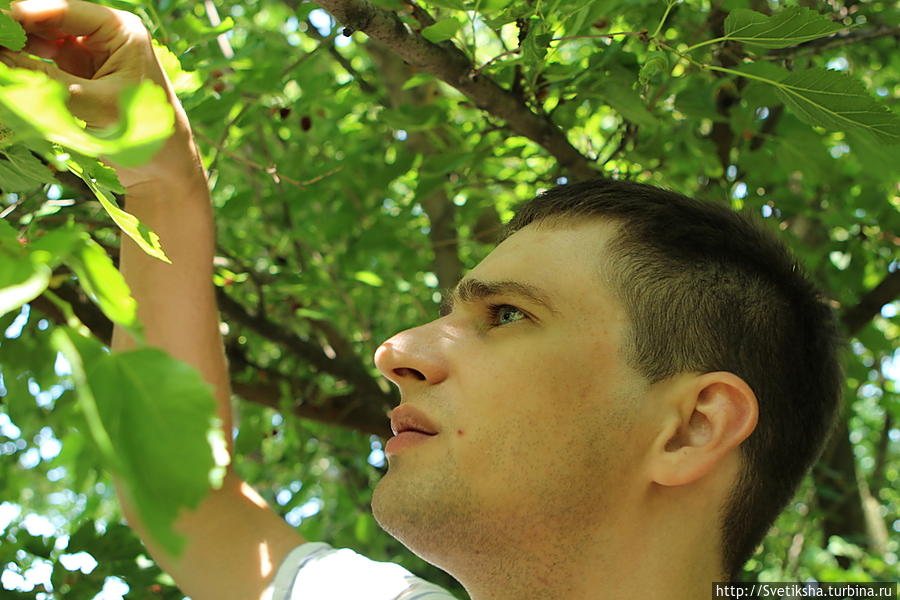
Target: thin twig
x=562, y=39
x=272, y=171
x=833, y=42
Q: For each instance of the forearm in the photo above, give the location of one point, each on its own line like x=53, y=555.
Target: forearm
x=176, y=302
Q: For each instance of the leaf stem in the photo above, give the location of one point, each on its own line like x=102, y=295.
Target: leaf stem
x=707, y=43
x=65, y=308
x=662, y=21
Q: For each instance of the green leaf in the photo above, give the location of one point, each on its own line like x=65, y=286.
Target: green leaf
x=615, y=89
x=872, y=156
x=413, y=118
x=835, y=100
x=12, y=35
x=104, y=284
x=22, y=170
x=147, y=122
x=160, y=416
x=454, y=4
x=655, y=63
x=788, y=27
x=441, y=31
x=418, y=79
x=153, y=420
x=38, y=105
x=760, y=93
x=21, y=282
x=537, y=42
x=369, y=278
x=23, y=276
x=183, y=82
x=11, y=180
x=489, y=6
x=128, y=223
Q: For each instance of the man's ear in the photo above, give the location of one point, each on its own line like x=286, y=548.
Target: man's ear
x=711, y=414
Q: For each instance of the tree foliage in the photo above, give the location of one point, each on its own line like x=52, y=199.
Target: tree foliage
x=360, y=160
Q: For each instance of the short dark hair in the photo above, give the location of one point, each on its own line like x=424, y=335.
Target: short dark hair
x=709, y=289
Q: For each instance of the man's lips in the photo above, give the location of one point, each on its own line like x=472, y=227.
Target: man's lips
x=409, y=418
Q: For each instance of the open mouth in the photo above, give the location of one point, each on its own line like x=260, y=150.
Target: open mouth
x=411, y=427
x=405, y=439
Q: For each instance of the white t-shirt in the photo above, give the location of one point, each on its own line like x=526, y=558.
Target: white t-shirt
x=316, y=571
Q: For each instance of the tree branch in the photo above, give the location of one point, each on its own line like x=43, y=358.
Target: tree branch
x=364, y=410
x=361, y=412
x=269, y=394
x=341, y=367
x=438, y=206
x=341, y=59
x=448, y=63
x=826, y=43
x=856, y=317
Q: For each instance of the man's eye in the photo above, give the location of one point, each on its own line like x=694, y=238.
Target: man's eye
x=503, y=314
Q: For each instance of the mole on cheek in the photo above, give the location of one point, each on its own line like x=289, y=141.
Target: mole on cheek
x=459, y=432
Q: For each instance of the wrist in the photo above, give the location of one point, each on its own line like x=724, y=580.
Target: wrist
x=176, y=167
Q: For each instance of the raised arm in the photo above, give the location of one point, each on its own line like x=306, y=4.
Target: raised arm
x=234, y=540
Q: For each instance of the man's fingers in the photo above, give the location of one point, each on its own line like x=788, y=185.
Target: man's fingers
x=19, y=60
x=69, y=54
x=41, y=47
x=60, y=18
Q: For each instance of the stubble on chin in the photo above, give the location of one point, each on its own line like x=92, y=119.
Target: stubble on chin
x=432, y=513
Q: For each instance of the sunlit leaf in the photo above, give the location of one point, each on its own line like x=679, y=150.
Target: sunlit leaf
x=442, y=30
x=37, y=103
x=128, y=223
x=160, y=416
x=369, y=278
x=21, y=282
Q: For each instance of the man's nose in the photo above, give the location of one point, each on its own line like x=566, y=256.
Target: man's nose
x=413, y=355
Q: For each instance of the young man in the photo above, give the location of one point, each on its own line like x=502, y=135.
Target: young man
x=617, y=401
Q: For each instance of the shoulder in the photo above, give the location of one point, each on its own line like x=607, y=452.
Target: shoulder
x=316, y=571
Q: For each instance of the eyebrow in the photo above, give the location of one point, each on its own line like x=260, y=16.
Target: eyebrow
x=472, y=290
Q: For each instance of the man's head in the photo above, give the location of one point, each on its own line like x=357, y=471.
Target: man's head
x=661, y=323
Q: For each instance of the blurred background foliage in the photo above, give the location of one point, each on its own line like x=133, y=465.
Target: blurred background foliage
x=356, y=178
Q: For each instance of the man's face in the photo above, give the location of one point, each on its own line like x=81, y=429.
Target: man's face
x=537, y=413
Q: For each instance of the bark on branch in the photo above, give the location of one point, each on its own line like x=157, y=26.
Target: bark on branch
x=343, y=368
x=856, y=317
x=364, y=410
x=448, y=63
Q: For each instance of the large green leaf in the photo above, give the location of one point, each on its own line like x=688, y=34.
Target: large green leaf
x=153, y=420
x=788, y=27
x=36, y=104
x=835, y=100
x=160, y=416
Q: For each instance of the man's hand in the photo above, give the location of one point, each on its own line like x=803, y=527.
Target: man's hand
x=97, y=52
